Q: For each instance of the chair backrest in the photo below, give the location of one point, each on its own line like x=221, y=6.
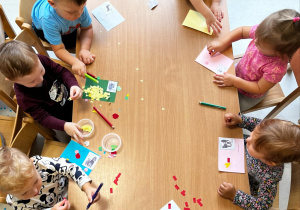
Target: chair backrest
x=25, y=8
x=6, y=25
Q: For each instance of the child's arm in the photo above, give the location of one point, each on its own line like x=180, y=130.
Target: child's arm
x=90, y=191
x=78, y=67
x=86, y=37
x=255, y=87
x=211, y=20
x=249, y=123
x=217, y=10
x=266, y=194
x=226, y=41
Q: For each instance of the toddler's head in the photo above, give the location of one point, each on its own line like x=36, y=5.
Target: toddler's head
x=275, y=141
x=279, y=33
x=68, y=9
x=18, y=175
x=20, y=64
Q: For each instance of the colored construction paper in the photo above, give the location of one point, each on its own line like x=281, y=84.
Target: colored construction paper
x=233, y=149
x=103, y=84
x=107, y=15
x=173, y=206
x=87, y=158
x=217, y=63
x=196, y=21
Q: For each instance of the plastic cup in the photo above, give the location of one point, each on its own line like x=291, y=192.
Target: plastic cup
x=111, y=141
x=86, y=122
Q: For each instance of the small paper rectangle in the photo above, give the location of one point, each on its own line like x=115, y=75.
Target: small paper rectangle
x=196, y=21
x=111, y=190
x=231, y=155
x=217, y=63
x=112, y=86
x=174, y=177
x=107, y=15
x=177, y=188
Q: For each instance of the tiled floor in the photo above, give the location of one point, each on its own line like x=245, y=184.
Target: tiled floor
x=241, y=13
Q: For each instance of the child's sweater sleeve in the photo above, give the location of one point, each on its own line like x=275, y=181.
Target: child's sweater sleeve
x=266, y=195
x=249, y=123
x=63, y=167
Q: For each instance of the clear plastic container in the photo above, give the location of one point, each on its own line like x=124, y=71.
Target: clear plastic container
x=111, y=142
x=87, y=127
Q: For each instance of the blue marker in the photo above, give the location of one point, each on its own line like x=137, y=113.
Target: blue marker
x=94, y=196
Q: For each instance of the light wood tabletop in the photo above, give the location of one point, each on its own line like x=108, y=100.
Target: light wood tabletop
x=164, y=130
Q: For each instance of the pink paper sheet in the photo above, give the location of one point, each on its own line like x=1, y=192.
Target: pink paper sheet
x=231, y=150
x=218, y=63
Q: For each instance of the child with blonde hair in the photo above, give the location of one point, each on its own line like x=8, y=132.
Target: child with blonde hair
x=272, y=143
x=213, y=15
x=274, y=41
x=40, y=182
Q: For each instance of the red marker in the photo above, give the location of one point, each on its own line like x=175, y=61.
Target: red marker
x=104, y=118
x=91, y=75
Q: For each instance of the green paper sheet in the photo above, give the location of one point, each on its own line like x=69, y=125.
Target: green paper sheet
x=103, y=84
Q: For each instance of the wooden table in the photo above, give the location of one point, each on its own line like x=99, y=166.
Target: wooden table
x=182, y=139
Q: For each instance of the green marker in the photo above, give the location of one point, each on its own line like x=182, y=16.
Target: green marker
x=212, y=105
x=91, y=78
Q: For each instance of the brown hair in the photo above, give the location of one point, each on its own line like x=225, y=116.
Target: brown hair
x=17, y=59
x=78, y=2
x=279, y=139
x=281, y=32
x=15, y=170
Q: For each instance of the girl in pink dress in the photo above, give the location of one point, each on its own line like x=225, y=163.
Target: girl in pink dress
x=274, y=41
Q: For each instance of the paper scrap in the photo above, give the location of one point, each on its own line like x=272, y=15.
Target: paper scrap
x=86, y=143
x=196, y=21
x=217, y=63
x=107, y=15
x=174, y=177
x=176, y=186
x=152, y=4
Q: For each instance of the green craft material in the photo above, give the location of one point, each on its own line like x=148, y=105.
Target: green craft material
x=113, y=147
x=103, y=84
x=100, y=148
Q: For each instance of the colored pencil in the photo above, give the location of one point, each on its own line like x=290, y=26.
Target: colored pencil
x=91, y=78
x=91, y=75
x=94, y=196
x=111, y=125
x=212, y=105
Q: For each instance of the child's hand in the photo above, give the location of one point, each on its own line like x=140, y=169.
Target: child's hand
x=79, y=68
x=211, y=21
x=63, y=205
x=217, y=10
x=215, y=46
x=232, y=119
x=75, y=92
x=224, y=80
x=90, y=191
x=86, y=56
x=73, y=130
x=227, y=190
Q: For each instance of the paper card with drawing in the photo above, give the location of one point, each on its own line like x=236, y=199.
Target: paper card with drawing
x=196, y=21
x=231, y=155
x=107, y=15
x=217, y=63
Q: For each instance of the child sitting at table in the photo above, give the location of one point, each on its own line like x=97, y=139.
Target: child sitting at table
x=42, y=87
x=56, y=21
x=40, y=182
x=213, y=16
x=271, y=143
x=274, y=41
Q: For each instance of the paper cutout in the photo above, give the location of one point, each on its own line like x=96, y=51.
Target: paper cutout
x=173, y=206
x=196, y=21
x=88, y=159
x=163, y=109
x=186, y=204
x=194, y=200
x=107, y=15
x=77, y=155
x=233, y=150
x=142, y=99
x=126, y=97
x=199, y=202
x=152, y=4
x=111, y=190
x=169, y=206
x=142, y=80
x=176, y=186
x=174, y=177
x=115, y=116
x=217, y=63
x=87, y=128
x=183, y=192
x=119, y=88
x=137, y=69
x=100, y=148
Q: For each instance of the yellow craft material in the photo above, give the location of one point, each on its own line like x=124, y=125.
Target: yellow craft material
x=96, y=93
x=86, y=128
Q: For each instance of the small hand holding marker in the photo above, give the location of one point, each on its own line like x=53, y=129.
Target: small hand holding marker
x=62, y=205
x=94, y=196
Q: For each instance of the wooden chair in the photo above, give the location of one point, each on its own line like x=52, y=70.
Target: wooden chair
x=25, y=8
x=6, y=27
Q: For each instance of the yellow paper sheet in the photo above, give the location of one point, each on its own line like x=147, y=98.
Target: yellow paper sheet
x=196, y=21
